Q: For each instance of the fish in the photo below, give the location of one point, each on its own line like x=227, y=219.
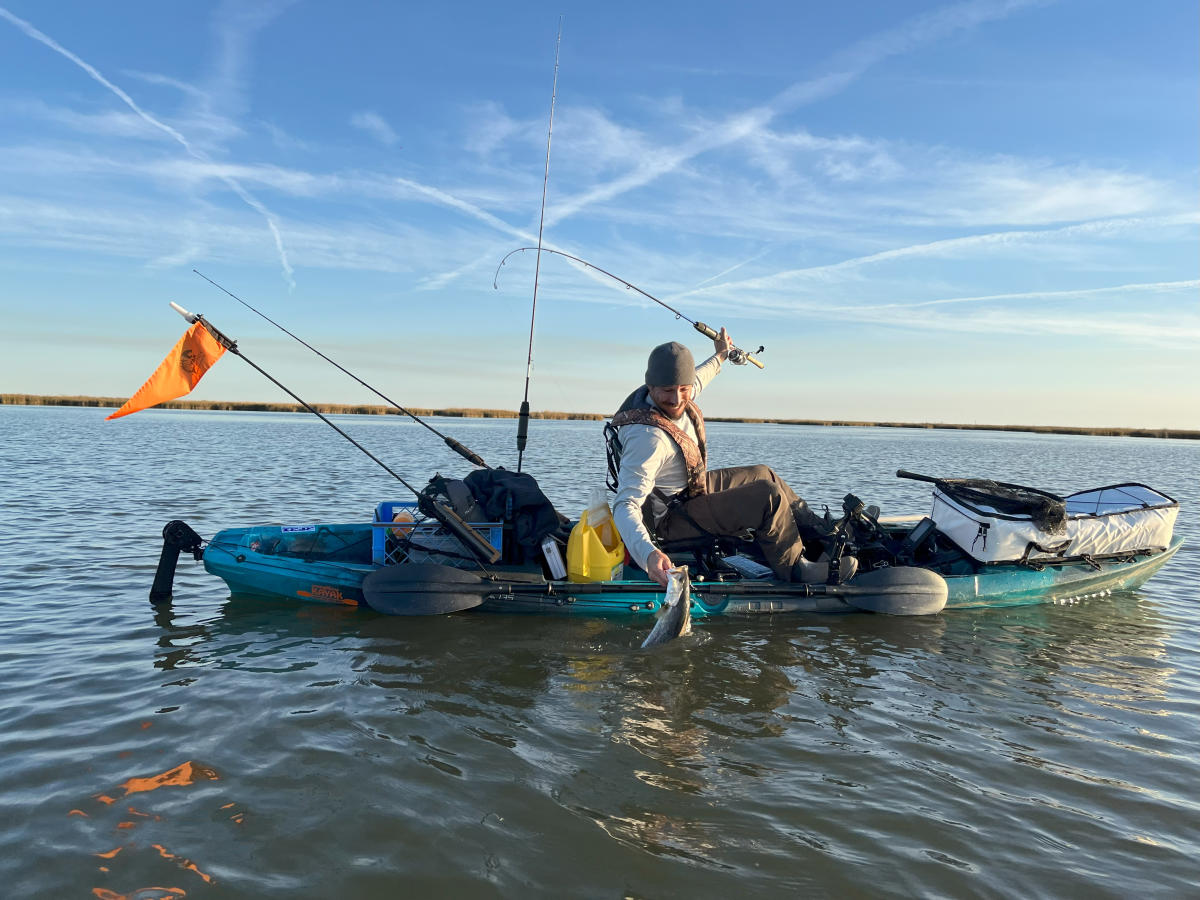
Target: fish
x=675, y=614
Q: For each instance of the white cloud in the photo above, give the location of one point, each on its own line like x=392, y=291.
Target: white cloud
x=1167, y=331
x=846, y=68
x=160, y=235
x=189, y=90
x=234, y=25
x=376, y=126
x=590, y=136
x=1035, y=192
x=489, y=127
x=109, y=123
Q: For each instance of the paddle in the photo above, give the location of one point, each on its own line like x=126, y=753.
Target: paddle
x=895, y=591
x=428, y=589
x=423, y=589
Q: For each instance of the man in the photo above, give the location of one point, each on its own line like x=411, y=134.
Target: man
x=663, y=478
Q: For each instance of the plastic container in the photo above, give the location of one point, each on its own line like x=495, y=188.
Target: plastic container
x=554, y=559
x=595, y=551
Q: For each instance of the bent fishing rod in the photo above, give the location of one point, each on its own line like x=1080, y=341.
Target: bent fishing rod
x=737, y=356
x=465, y=452
x=444, y=514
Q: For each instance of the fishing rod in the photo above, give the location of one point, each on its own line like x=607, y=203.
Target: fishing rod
x=523, y=415
x=737, y=356
x=444, y=514
x=465, y=452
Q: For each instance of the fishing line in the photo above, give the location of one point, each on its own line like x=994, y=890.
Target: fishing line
x=737, y=356
x=523, y=416
x=465, y=452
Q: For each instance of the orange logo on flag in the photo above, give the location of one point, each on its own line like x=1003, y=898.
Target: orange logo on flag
x=181, y=371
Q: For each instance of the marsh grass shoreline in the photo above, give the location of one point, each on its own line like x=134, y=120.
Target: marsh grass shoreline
x=477, y=413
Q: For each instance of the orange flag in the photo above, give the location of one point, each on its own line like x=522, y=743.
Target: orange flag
x=181, y=371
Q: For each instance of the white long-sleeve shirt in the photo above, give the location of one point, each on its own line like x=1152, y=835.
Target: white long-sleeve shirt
x=651, y=459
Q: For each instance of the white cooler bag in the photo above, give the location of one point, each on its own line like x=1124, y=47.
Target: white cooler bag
x=1104, y=521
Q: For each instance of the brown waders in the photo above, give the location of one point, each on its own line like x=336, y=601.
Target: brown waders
x=739, y=498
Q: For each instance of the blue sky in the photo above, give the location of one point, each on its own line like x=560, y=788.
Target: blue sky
x=982, y=211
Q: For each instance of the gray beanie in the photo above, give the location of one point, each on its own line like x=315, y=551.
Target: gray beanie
x=669, y=365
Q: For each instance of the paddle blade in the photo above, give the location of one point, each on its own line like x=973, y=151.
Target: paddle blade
x=896, y=591
x=423, y=589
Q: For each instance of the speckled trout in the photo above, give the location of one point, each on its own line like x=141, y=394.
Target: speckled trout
x=675, y=614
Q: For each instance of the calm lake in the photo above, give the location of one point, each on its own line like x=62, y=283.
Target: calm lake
x=227, y=748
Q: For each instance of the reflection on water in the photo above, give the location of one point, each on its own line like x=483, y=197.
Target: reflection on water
x=225, y=747
x=109, y=818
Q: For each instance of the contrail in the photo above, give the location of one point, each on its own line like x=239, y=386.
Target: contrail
x=449, y=200
x=246, y=197
x=1157, y=287
x=733, y=268
x=946, y=247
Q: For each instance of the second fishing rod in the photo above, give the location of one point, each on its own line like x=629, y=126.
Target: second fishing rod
x=465, y=452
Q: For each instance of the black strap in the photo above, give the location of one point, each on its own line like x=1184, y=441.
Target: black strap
x=612, y=449
x=1058, y=550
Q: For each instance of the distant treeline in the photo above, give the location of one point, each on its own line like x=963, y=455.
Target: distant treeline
x=333, y=409
x=475, y=413
x=1035, y=429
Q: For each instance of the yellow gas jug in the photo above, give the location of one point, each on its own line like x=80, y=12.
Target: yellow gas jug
x=595, y=551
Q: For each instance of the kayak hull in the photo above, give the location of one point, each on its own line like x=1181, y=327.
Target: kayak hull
x=270, y=561
x=328, y=564
x=1014, y=585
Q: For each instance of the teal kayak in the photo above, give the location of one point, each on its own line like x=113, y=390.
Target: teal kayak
x=329, y=564
x=985, y=544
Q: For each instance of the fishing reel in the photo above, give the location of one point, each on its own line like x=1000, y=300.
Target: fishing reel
x=736, y=355
x=740, y=357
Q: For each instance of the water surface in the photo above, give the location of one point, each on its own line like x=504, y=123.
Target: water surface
x=220, y=747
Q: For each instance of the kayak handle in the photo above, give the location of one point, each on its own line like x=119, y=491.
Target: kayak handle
x=903, y=473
